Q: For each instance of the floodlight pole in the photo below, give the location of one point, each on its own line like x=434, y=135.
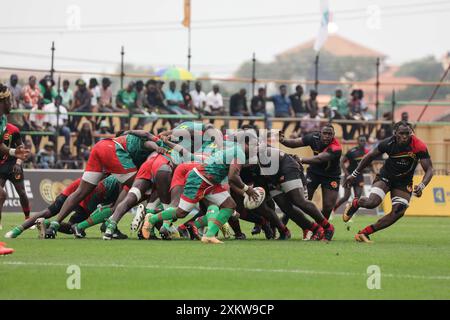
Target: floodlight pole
x=52, y=70
x=253, y=73
x=122, y=74
x=316, y=73
x=377, y=90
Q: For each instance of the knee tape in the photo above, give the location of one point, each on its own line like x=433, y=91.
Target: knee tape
x=136, y=192
x=402, y=203
x=378, y=191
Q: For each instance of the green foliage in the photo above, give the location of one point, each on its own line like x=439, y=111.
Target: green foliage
x=425, y=69
x=301, y=66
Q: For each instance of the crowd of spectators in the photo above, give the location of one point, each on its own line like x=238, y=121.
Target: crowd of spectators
x=151, y=98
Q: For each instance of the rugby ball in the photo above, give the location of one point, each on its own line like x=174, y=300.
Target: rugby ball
x=250, y=203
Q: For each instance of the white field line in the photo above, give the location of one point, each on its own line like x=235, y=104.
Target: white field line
x=204, y=268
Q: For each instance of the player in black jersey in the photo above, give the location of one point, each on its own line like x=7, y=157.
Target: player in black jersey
x=405, y=151
x=353, y=157
x=11, y=169
x=283, y=175
x=324, y=169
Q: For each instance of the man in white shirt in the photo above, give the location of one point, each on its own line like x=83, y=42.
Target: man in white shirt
x=214, y=103
x=52, y=120
x=66, y=94
x=198, y=97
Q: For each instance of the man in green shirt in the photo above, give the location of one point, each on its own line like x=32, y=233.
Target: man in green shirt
x=339, y=105
x=126, y=99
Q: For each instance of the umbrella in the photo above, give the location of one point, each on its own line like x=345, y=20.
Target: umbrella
x=174, y=73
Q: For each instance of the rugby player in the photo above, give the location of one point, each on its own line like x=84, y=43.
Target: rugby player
x=105, y=193
x=353, y=157
x=405, y=151
x=5, y=108
x=324, y=169
x=285, y=184
x=205, y=181
x=11, y=169
x=120, y=156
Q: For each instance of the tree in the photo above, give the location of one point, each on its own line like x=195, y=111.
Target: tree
x=425, y=69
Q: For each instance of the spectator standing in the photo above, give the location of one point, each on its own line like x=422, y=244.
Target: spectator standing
x=66, y=95
x=298, y=105
x=198, y=98
x=258, y=107
x=339, y=110
x=106, y=102
x=17, y=119
x=37, y=123
x=283, y=106
x=311, y=102
x=126, y=100
x=94, y=90
x=155, y=101
x=214, y=103
x=141, y=103
x=81, y=103
x=31, y=94
x=238, y=105
x=52, y=121
x=355, y=113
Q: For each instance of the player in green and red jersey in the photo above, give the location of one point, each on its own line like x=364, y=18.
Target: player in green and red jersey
x=205, y=181
x=120, y=157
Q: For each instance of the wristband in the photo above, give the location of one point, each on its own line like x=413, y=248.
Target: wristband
x=355, y=173
x=12, y=152
x=245, y=188
x=421, y=186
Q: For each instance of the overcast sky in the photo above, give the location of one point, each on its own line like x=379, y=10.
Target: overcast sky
x=224, y=32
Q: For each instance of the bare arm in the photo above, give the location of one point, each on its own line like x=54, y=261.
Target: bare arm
x=372, y=155
x=235, y=180
x=320, y=158
x=291, y=143
x=427, y=166
x=344, y=159
x=20, y=152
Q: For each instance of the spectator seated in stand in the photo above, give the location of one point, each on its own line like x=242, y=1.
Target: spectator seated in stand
x=84, y=142
x=66, y=160
x=46, y=157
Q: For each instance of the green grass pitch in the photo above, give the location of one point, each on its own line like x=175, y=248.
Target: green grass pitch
x=413, y=256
